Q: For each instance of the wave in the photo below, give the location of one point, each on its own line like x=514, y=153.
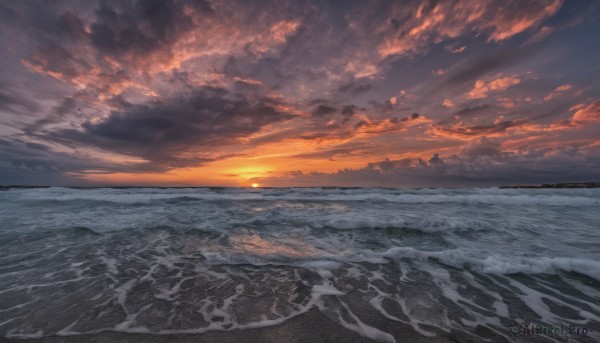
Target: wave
x=356, y=221
x=458, y=258
x=497, y=264
x=492, y=197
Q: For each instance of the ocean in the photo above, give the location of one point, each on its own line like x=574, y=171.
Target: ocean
x=468, y=264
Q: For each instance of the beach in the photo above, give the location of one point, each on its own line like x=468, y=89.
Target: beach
x=312, y=326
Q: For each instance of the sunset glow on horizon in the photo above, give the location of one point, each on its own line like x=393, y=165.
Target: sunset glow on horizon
x=299, y=93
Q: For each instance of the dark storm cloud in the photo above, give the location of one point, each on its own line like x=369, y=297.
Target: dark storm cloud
x=173, y=131
x=355, y=88
x=349, y=110
x=323, y=110
x=140, y=27
x=137, y=27
x=479, y=130
x=53, y=38
x=332, y=153
x=386, y=107
x=470, y=110
x=317, y=102
x=37, y=146
x=105, y=44
x=476, y=67
x=46, y=24
x=28, y=163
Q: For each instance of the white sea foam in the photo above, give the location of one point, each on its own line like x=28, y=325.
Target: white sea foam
x=496, y=264
x=441, y=196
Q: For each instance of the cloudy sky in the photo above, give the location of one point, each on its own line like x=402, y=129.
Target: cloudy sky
x=299, y=93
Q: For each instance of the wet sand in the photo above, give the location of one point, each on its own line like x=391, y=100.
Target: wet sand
x=312, y=326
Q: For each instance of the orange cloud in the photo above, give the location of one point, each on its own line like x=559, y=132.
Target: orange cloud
x=506, y=26
x=283, y=29
x=505, y=102
x=448, y=103
x=451, y=19
x=482, y=88
x=362, y=70
x=500, y=128
x=586, y=113
x=278, y=34
x=559, y=91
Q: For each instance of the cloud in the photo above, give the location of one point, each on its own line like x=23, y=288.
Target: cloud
x=471, y=110
x=137, y=29
x=367, y=125
x=323, y=110
x=180, y=131
x=482, y=88
x=509, y=19
x=40, y=163
x=435, y=22
x=355, y=88
x=332, y=153
x=448, y=103
x=583, y=116
x=110, y=46
x=481, y=147
x=464, y=131
x=541, y=34
x=505, y=102
x=456, y=49
x=152, y=86
x=589, y=113
x=351, y=128
x=15, y=102
x=349, y=110
x=118, y=47
x=473, y=68
x=481, y=162
x=558, y=92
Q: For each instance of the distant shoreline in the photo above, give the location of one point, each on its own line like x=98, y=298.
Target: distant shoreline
x=559, y=185
x=591, y=184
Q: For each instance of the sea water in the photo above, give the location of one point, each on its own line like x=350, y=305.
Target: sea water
x=468, y=264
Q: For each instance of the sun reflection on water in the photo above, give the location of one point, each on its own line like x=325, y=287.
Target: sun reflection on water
x=256, y=245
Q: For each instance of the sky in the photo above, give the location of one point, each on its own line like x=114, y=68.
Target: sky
x=283, y=93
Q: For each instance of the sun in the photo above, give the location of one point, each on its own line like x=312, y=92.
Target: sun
x=255, y=185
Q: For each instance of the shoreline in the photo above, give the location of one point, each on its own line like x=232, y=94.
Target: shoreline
x=312, y=326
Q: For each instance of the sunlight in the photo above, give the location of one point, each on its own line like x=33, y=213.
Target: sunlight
x=255, y=185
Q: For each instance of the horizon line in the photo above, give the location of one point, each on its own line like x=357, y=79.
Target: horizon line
x=590, y=184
